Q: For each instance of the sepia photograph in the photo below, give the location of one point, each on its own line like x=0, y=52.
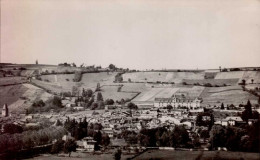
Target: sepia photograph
x=130, y=79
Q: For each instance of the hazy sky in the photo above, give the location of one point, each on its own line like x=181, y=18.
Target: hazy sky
x=135, y=34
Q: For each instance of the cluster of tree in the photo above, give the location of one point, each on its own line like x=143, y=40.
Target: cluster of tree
x=38, y=103
x=109, y=102
x=235, y=69
x=77, y=130
x=248, y=113
x=205, y=85
x=246, y=138
x=66, y=146
x=205, y=119
x=12, y=128
x=67, y=64
x=77, y=76
x=229, y=107
x=119, y=77
x=39, y=106
x=112, y=67
x=99, y=103
x=162, y=137
x=131, y=137
x=29, y=139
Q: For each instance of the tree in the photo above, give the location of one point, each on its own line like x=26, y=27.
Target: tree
x=204, y=134
x=89, y=93
x=217, y=136
x=132, y=106
x=75, y=91
x=243, y=82
x=252, y=80
x=169, y=107
x=119, y=77
x=117, y=154
x=109, y=102
x=99, y=96
x=112, y=67
x=105, y=140
x=12, y=128
x=98, y=87
x=179, y=137
x=247, y=113
x=56, y=101
x=70, y=146
x=57, y=146
x=222, y=106
x=98, y=138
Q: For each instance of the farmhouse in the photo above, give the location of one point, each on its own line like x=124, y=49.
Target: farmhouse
x=178, y=101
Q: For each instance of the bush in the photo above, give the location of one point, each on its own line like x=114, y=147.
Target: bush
x=77, y=76
x=57, y=101
x=207, y=85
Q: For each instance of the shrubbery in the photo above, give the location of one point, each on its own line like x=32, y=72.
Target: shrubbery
x=77, y=76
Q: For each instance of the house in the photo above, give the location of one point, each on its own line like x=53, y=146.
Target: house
x=89, y=143
x=252, y=121
x=178, y=101
x=68, y=103
x=109, y=132
x=231, y=121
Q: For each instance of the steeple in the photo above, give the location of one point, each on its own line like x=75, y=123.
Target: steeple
x=5, y=112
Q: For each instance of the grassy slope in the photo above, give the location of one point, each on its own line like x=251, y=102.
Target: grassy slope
x=228, y=95
x=11, y=95
x=162, y=76
x=12, y=80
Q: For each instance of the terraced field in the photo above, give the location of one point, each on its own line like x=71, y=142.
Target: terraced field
x=151, y=93
x=111, y=92
x=219, y=82
x=228, y=95
x=175, y=77
x=246, y=75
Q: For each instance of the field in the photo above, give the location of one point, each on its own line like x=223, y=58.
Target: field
x=219, y=82
x=175, y=77
x=80, y=156
x=155, y=92
x=151, y=93
x=228, y=95
x=11, y=80
x=246, y=75
x=19, y=97
x=111, y=92
x=198, y=155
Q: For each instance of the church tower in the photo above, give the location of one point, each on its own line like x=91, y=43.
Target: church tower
x=5, y=112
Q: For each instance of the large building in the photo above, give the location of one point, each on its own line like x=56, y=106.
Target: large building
x=178, y=101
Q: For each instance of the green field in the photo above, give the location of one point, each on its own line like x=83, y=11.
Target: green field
x=196, y=155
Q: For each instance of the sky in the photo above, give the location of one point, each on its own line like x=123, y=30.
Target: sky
x=135, y=34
